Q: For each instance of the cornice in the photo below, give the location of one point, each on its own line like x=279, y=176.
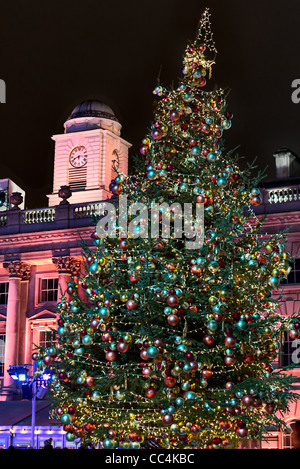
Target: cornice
x=48, y=236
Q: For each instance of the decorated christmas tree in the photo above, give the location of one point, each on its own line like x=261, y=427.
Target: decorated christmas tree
x=169, y=335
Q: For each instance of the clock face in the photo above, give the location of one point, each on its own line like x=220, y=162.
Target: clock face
x=78, y=157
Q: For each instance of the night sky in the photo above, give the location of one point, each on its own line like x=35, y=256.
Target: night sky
x=55, y=54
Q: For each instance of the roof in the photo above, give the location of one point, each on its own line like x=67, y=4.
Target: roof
x=92, y=108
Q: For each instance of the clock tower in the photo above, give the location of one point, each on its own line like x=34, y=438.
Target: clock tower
x=88, y=153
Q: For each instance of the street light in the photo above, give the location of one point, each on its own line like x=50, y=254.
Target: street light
x=19, y=373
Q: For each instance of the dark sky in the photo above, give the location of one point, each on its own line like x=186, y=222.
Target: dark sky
x=55, y=54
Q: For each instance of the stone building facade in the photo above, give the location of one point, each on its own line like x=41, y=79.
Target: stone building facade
x=40, y=248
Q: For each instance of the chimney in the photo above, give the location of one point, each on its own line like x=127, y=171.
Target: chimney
x=287, y=164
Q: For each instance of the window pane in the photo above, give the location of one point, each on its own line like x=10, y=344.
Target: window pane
x=48, y=289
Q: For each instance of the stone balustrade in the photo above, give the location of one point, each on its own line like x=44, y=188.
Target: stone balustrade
x=48, y=218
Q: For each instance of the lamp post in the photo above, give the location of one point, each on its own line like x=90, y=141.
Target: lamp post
x=19, y=373
x=33, y=407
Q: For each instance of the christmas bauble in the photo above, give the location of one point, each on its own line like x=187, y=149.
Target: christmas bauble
x=173, y=319
x=168, y=419
x=122, y=347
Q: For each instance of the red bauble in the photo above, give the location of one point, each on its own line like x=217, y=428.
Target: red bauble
x=230, y=341
x=242, y=432
x=201, y=199
x=170, y=381
x=196, y=270
x=208, y=339
x=172, y=300
x=194, y=366
x=229, y=361
x=206, y=373
x=294, y=334
x=150, y=393
x=255, y=201
x=48, y=360
x=131, y=305
x=174, y=116
x=111, y=356
x=122, y=347
x=146, y=371
x=158, y=343
x=89, y=381
x=195, y=428
x=173, y=319
x=111, y=434
x=247, y=400
x=249, y=358
x=134, y=278
x=144, y=356
x=94, y=323
x=168, y=419
x=270, y=408
x=106, y=337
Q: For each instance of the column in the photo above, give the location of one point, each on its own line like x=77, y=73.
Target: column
x=66, y=267
x=13, y=346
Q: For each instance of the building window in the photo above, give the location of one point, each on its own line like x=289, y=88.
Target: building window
x=114, y=165
x=290, y=351
x=2, y=353
x=45, y=339
x=3, y=293
x=287, y=440
x=48, y=289
x=294, y=275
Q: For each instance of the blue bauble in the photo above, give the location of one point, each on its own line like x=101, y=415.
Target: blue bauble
x=241, y=324
x=179, y=401
x=79, y=351
x=216, y=309
x=70, y=436
x=212, y=157
x=182, y=348
x=61, y=331
x=87, y=339
x=274, y=281
x=134, y=445
x=152, y=351
x=252, y=264
x=171, y=409
x=108, y=444
x=94, y=268
x=196, y=151
x=66, y=419
x=222, y=182
x=186, y=367
x=185, y=386
x=151, y=175
x=104, y=313
x=212, y=325
x=80, y=380
x=190, y=395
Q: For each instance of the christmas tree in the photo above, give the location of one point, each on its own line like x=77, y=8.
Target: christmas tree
x=169, y=335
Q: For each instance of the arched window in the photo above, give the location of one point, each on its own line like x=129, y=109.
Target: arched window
x=114, y=165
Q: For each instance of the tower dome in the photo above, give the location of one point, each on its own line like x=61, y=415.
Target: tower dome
x=92, y=114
